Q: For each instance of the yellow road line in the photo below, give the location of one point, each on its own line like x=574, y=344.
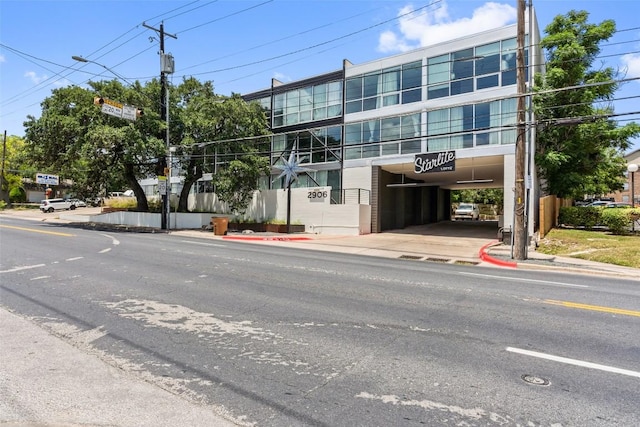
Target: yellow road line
x=594, y=307
x=55, y=233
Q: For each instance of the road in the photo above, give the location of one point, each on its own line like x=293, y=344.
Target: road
x=282, y=336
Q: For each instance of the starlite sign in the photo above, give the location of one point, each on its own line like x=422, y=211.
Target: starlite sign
x=444, y=161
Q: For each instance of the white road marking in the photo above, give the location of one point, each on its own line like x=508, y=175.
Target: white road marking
x=204, y=244
x=114, y=241
x=104, y=251
x=575, y=362
x=39, y=277
x=517, y=279
x=74, y=259
x=25, y=267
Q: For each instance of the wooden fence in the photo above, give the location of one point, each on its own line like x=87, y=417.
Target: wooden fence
x=549, y=211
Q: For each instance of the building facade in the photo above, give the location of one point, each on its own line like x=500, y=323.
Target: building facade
x=408, y=129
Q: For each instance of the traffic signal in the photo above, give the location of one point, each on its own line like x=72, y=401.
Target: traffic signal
x=98, y=100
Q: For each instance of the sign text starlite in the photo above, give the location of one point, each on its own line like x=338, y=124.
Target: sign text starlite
x=444, y=161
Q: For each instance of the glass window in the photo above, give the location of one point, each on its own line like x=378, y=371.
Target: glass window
x=487, y=82
x=390, y=129
x=411, y=146
x=320, y=95
x=410, y=126
x=334, y=96
x=370, y=87
x=334, y=110
x=489, y=59
x=390, y=148
x=354, y=106
x=412, y=75
x=438, y=122
x=371, y=131
x=293, y=99
x=461, y=86
x=462, y=64
x=390, y=100
x=320, y=113
x=278, y=105
x=354, y=88
x=413, y=95
x=439, y=91
x=438, y=69
x=353, y=134
x=483, y=116
x=438, y=144
x=370, y=103
x=391, y=80
x=306, y=99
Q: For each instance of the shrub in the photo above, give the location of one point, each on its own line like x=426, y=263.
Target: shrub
x=617, y=220
x=578, y=216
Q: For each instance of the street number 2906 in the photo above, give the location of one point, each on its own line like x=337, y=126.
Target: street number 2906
x=317, y=194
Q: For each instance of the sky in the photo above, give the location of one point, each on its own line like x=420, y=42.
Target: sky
x=240, y=45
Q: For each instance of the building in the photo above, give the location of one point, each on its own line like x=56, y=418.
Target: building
x=403, y=131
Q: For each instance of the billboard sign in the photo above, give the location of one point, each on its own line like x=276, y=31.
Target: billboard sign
x=46, y=179
x=444, y=161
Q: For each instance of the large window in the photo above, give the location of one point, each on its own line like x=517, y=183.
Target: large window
x=468, y=70
x=469, y=126
x=315, y=146
x=391, y=86
x=381, y=137
x=308, y=104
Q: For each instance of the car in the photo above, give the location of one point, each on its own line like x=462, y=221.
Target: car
x=600, y=203
x=619, y=205
x=78, y=203
x=50, y=205
x=467, y=211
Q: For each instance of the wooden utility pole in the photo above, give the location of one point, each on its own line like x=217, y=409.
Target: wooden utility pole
x=164, y=115
x=519, y=228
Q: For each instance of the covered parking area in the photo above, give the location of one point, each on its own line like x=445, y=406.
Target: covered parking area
x=403, y=197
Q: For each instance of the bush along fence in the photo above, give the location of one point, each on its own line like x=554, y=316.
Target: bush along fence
x=618, y=221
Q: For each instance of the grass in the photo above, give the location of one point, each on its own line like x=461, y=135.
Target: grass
x=597, y=246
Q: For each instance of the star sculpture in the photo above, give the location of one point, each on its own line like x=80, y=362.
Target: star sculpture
x=290, y=169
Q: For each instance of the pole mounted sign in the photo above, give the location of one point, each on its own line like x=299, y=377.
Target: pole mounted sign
x=117, y=109
x=46, y=179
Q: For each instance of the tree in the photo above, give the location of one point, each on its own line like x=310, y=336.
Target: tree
x=219, y=135
x=75, y=140
x=579, y=148
x=15, y=167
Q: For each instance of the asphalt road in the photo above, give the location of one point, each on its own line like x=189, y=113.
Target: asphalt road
x=273, y=336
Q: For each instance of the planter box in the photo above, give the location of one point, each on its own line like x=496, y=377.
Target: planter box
x=262, y=228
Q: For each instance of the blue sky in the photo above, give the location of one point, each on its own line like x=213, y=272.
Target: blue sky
x=241, y=44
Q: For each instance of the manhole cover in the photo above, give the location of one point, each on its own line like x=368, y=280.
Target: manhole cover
x=531, y=379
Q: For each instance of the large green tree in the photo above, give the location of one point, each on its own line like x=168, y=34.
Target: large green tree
x=73, y=138
x=221, y=135
x=579, y=147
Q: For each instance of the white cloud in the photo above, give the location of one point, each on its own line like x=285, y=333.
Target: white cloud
x=34, y=77
x=631, y=63
x=435, y=26
x=282, y=77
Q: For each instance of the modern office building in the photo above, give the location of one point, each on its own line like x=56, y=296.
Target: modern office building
x=403, y=131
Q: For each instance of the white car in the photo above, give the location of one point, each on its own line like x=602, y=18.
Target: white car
x=78, y=203
x=467, y=211
x=51, y=205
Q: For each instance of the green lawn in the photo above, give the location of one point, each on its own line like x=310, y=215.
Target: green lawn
x=598, y=246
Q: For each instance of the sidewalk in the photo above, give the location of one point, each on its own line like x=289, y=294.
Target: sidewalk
x=45, y=381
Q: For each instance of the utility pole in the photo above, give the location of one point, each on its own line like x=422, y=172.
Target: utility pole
x=520, y=231
x=166, y=67
x=5, y=195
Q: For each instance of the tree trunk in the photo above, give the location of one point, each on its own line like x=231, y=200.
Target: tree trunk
x=141, y=198
x=189, y=180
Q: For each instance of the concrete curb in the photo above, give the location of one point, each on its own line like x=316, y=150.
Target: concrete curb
x=484, y=256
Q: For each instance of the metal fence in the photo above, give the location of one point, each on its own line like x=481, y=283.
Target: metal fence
x=350, y=196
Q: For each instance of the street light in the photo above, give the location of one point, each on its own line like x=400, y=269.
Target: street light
x=85, y=60
x=632, y=168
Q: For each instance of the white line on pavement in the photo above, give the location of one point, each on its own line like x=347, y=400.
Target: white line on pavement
x=575, y=362
x=26, y=267
x=517, y=279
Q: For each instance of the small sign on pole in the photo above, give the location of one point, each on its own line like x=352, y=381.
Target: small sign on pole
x=162, y=185
x=46, y=179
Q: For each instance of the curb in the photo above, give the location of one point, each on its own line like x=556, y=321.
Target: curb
x=266, y=238
x=484, y=256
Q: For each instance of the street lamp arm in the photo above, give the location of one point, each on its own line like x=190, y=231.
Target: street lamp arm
x=85, y=60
